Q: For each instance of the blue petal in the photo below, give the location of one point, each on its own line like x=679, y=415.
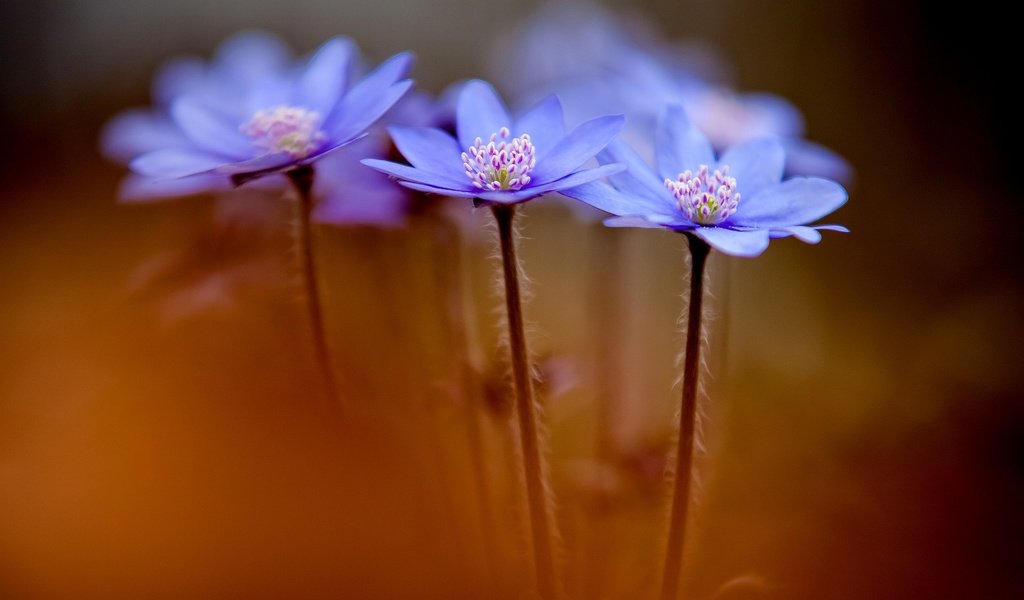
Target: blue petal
x=545, y=123
x=638, y=179
x=582, y=144
x=571, y=181
x=429, y=149
x=407, y=173
x=480, y=113
x=603, y=196
x=136, y=188
x=210, y=131
x=792, y=202
x=805, y=233
x=260, y=164
x=755, y=164
x=807, y=158
x=251, y=55
x=136, y=132
x=381, y=205
x=177, y=77
x=437, y=190
x=323, y=81
x=368, y=100
x=632, y=222
x=737, y=243
x=171, y=163
x=679, y=146
x=359, y=113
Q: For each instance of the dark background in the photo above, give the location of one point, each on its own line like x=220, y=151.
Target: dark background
x=866, y=432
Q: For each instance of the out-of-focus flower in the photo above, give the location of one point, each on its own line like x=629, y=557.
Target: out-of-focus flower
x=235, y=253
x=735, y=203
x=261, y=119
x=496, y=159
x=599, y=64
x=239, y=63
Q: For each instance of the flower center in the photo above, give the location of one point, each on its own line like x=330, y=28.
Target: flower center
x=501, y=164
x=706, y=199
x=289, y=129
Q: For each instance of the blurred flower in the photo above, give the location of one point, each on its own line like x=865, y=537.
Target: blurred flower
x=735, y=203
x=236, y=253
x=240, y=62
x=519, y=160
x=600, y=63
x=247, y=117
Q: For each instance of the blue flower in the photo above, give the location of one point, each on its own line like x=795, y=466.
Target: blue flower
x=598, y=62
x=735, y=203
x=498, y=159
x=241, y=124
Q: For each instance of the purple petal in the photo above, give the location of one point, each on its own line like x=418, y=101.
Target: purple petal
x=571, y=181
x=176, y=77
x=792, y=202
x=603, y=196
x=756, y=164
x=800, y=232
x=171, y=163
x=323, y=81
x=138, y=189
x=679, y=146
x=136, y=132
x=382, y=206
x=251, y=55
x=736, y=243
x=437, y=190
x=545, y=123
x=575, y=149
x=480, y=113
x=632, y=222
x=210, y=131
x=638, y=180
x=360, y=112
x=407, y=173
x=807, y=158
x=429, y=149
x=370, y=98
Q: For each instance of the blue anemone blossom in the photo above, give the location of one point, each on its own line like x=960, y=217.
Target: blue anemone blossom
x=280, y=118
x=495, y=158
x=736, y=203
x=600, y=62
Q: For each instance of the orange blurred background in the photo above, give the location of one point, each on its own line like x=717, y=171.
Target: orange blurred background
x=161, y=432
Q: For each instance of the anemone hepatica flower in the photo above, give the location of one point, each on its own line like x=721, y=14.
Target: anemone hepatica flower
x=283, y=120
x=735, y=203
x=495, y=158
x=600, y=63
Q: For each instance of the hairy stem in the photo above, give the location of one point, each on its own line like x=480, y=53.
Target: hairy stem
x=699, y=251
x=540, y=524
x=302, y=180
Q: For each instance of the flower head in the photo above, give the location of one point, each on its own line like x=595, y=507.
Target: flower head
x=249, y=118
x=496, y=158
x=600, y=62
x=735, y=203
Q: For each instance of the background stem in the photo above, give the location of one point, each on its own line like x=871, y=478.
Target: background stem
x=687, y=421
x=302, y=180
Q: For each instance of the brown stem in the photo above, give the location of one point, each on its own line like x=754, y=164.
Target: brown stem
x=302, y=180
x=540, y=525
x=699, y=251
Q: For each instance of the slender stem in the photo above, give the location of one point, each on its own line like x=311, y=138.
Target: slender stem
x=608, y=305
x=699, y=251
x=540, y=525
x=302, y=180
